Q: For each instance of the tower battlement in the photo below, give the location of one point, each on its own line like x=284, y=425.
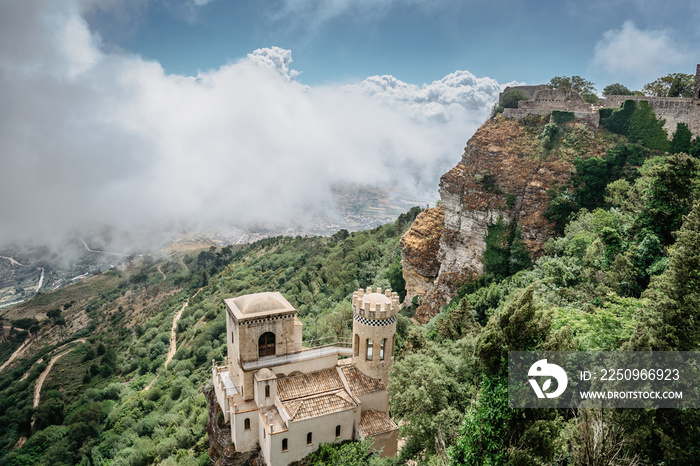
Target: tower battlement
x=372, y=304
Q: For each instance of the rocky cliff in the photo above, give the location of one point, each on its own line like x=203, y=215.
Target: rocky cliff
x=420, y=248
x=505, y=171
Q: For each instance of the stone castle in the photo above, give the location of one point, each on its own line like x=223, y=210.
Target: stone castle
x=288, y=399
x=544, y=100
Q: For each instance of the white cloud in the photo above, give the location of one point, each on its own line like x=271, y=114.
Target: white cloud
x=93, y=138
x=638, y=56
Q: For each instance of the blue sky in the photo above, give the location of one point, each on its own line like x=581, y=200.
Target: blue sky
x=418, y=42
x=213, y=114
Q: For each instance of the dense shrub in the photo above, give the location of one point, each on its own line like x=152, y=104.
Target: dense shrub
x=510, y=98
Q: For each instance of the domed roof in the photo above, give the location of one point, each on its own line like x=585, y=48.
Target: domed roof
x=259, y=304
x=265, y=374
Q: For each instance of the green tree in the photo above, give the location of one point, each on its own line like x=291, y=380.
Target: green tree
x=576, y=84
x=672, y=186
x=520, y=326
x=681, y=141
x=506, y=252
x=484, y=435
x=616, y=89
x=573, y=83
x=670, y=322
x=511, y=97
x=646, y=129
x=671, y=85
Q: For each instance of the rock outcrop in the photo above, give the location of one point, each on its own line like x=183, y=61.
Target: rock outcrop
x=504, y=172
x=420, y=247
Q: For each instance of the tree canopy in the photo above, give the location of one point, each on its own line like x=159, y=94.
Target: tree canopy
x=616, y=89
x=671, y=85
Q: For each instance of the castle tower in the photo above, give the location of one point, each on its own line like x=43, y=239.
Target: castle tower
x=374, y=331
x=696, y=92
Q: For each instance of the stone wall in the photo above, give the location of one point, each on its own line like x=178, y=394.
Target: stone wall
x=672, y=109
x=529, y=90
x=544, y=100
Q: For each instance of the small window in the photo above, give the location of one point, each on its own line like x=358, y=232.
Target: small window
x=357, y=345
x=246, y=424
x=309, y=440
x=337, y=431
x=266, y=344
x=267, y=391
x=370, y=349
x=284, y=444
x=381, y=349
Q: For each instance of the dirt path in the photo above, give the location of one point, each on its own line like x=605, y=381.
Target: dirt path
x=101, y=252
x=173, y=338
x=17, y=352
x=184, y=265
x=42, y=377
x=12, y=261
x=41, y=280
x=162, y=273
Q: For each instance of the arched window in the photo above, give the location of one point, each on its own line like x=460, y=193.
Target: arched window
x=284, y=444
x=309, y=439
x=370, y=349
x=246, y=424
x=393, y=342
x=266, y=344
x=267, y=391
x=357, y=345
x=381, y=349
x=337, y=431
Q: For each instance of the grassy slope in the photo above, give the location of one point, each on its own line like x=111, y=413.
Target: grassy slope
x=93, y=405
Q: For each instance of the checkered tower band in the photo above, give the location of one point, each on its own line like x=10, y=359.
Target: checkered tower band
x=374, y=322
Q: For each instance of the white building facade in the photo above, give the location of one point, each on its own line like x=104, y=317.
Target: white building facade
x=289, y=399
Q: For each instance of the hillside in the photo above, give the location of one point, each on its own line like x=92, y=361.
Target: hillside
x=550, y=236
x=110, y=394
x=507, y=170
x=559, y=237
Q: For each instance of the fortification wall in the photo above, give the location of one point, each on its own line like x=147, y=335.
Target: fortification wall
x=673, y=109
x=590, y=118
x=529, y=90
x=556, y=99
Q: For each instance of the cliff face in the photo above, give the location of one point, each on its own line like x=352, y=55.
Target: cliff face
x=420, y=248
x=504, y=172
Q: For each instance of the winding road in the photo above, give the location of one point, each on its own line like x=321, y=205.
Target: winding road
x=17, y=352
x=173, y=339
x=101, y=252
x=45, y=373
x=12, y=261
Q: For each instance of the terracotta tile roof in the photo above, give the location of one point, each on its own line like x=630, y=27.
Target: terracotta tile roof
x=374, y=422
x=359, y=383
x=318, y=405
x=312, y=383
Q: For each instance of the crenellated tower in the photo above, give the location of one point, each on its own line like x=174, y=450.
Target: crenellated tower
x=374, y=331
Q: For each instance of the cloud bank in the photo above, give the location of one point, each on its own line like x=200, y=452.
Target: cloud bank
x=638, y=56
x=93, y=138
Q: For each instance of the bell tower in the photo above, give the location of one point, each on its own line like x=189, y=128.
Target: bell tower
x=374, y=331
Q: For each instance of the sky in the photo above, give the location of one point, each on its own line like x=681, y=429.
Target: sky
x=154, y=115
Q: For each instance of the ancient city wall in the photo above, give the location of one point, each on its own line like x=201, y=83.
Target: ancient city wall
x=672, y=109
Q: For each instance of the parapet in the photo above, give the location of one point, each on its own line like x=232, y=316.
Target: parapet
x=375, y=304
